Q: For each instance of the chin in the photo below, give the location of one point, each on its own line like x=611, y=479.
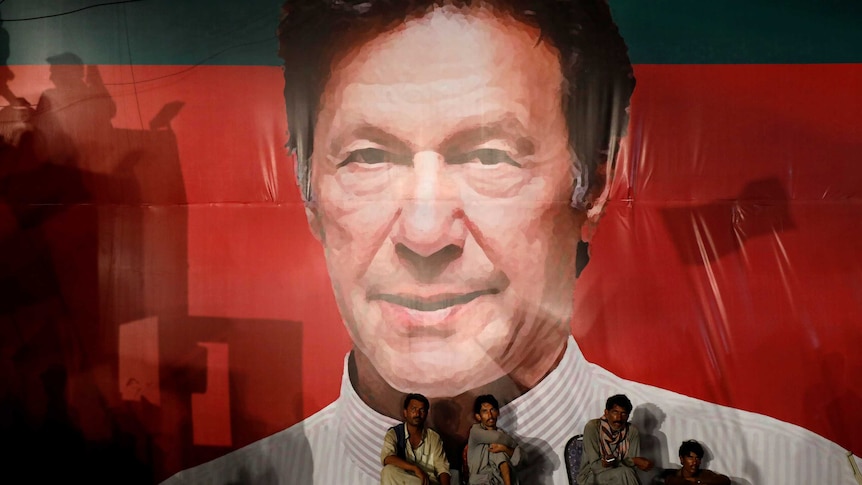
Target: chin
x=432, y=378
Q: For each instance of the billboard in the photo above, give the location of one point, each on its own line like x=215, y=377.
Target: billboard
x=229, y=225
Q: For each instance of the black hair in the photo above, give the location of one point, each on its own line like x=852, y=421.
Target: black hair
x=619, y=400
x=416, y=397
x=690, y=446
x=593, y=59
x=485, y=398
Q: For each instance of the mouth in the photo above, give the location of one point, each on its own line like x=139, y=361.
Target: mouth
x=431, y=303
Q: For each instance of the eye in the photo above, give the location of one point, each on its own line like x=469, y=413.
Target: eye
x=370, y=156
x=485, y=156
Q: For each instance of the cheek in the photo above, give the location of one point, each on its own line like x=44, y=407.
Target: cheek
x=526, y=240
x=354, y=229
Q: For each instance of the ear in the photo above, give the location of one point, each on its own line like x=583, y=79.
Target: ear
x=477, y=416
x=314, y=222
x=595, y=201
x=588, y=228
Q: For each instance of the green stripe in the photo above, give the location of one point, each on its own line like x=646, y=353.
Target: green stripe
x=155, y=32
x=741, y=31
x=242, y=32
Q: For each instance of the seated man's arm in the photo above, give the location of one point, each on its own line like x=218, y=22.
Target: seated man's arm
x=515, y=454
x=592, y=457
x=633, y=456
x=498, y=442
x=479, y=435
x=389, y=456
x=441, y=463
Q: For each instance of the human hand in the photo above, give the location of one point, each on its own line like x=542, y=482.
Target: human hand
x=420, y=473
x=642, y=463
x=500, y=448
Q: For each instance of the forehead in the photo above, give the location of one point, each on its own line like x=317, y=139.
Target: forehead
x=617, y=409
x=440, y=41
x=415, y=404
x=486, y=406
x=458, y=65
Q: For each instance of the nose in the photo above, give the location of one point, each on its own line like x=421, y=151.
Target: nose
x=430, y=230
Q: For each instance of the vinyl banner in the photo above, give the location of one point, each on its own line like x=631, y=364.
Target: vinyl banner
x=238, y=237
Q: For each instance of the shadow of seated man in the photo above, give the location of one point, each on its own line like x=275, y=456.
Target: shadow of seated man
x=491, y=453
x=691, y=456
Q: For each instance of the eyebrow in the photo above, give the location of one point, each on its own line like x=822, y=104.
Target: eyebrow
x=371, y=133
x=509, y=127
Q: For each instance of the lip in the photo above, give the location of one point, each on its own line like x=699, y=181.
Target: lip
x=434, y=312
x=431, y=303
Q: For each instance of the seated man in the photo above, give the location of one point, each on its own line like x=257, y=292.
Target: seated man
x=413, y=454
x=491, y=453
x=690, y=455
x=611, y=447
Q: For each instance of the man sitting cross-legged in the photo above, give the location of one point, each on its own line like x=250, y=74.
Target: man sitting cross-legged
x=491, y=453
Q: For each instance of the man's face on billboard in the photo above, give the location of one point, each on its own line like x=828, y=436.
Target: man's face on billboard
x=442, y=181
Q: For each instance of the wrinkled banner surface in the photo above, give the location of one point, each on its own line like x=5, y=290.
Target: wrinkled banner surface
x=164, y=301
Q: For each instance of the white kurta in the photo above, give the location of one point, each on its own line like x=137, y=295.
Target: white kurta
x=341, y=443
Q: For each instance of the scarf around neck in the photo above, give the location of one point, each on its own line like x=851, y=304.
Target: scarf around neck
x=614, y=442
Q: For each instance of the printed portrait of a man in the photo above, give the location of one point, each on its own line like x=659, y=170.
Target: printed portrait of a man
x=343, y=242
x=454, y=158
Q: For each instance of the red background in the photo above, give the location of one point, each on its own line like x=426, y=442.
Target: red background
x=727, y=264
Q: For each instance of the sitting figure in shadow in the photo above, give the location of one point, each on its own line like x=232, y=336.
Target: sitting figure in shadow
x=690, y=456
x=648, y=418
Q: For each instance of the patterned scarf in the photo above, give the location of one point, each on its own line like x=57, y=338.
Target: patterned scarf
x=614, y=442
